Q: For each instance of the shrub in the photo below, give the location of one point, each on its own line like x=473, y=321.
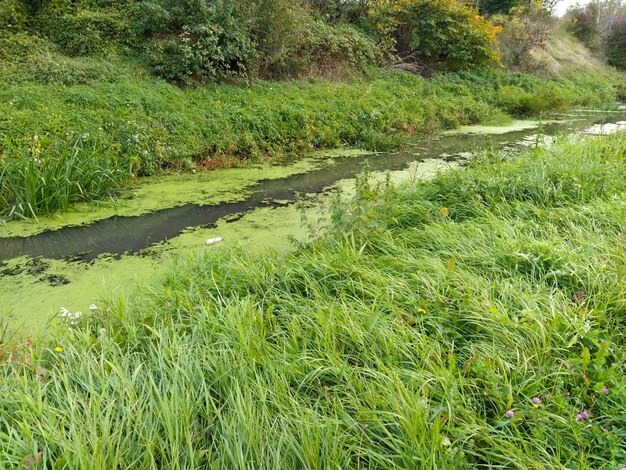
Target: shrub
x=523, y=30
x=202, y=53
x=492, y=7
x=582, y=24
x=319, y=49
x=341, y=10
x=17, y=47
x=85, y=31
x=13, y=16
x=196, y=40
x=444, y=33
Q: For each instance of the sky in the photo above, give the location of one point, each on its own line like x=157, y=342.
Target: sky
x=563, y=5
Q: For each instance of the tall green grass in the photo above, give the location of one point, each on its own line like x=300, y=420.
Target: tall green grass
x=44, y=181
x=400, y=339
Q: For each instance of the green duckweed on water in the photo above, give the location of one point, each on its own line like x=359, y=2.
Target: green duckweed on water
x=150, y=194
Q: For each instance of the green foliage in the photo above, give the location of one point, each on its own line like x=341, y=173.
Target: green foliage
x=444, y=33
x=341, y=10
x=551, y=98
x=601, y=26
x=523, y=30
x=399, y=340
x=493, y=7
x=196, y=40
x=319, y=49
x=616, y=44
x=79, y=30
x=13, y=16
x=582, y=23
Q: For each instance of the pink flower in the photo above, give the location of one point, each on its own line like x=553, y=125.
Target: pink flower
x=536, y=402
x=605, y=390
x=582, y=415
x=510, y=414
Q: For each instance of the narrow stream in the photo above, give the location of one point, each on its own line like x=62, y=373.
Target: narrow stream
x=129, y=235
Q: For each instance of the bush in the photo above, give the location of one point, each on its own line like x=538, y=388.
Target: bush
x=85, y=31
x=17, y=47
x=582, y=23
x=203, y=53
x=319, y=49
x=443, y=33
x=13, y=16
x=492, y=7
x=523, y=30
x=199, y=41
x=196, y=40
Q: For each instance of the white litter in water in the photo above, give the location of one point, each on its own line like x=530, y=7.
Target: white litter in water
x=210, y=241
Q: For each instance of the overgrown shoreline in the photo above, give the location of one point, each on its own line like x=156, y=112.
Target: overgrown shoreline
x=476, y=319
x=63, y=143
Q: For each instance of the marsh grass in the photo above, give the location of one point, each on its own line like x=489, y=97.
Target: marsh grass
x=400, y=339
x=42, y=181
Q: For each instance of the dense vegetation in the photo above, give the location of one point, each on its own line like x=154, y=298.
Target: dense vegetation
x=67, y=142
x=475, y=320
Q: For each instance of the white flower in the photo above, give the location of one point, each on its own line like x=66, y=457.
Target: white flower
x=93, y=307
x=103, y=332
x=64, y=312
x=77, y=314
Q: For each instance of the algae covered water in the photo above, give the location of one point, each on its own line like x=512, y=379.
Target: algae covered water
x=72, y=259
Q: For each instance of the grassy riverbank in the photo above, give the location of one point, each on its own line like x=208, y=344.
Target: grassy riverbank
x=79, y=128
x=401, y=339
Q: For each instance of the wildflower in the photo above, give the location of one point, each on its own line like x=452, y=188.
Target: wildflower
x=93, y=307
x=510, y=414
x=605, y=390
x=579, y=417
x=421, y=311
x=58, y=349
x=63, y=311
x=585, y=414
x=536, y=402
x=78, y=314
x=103, y=332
